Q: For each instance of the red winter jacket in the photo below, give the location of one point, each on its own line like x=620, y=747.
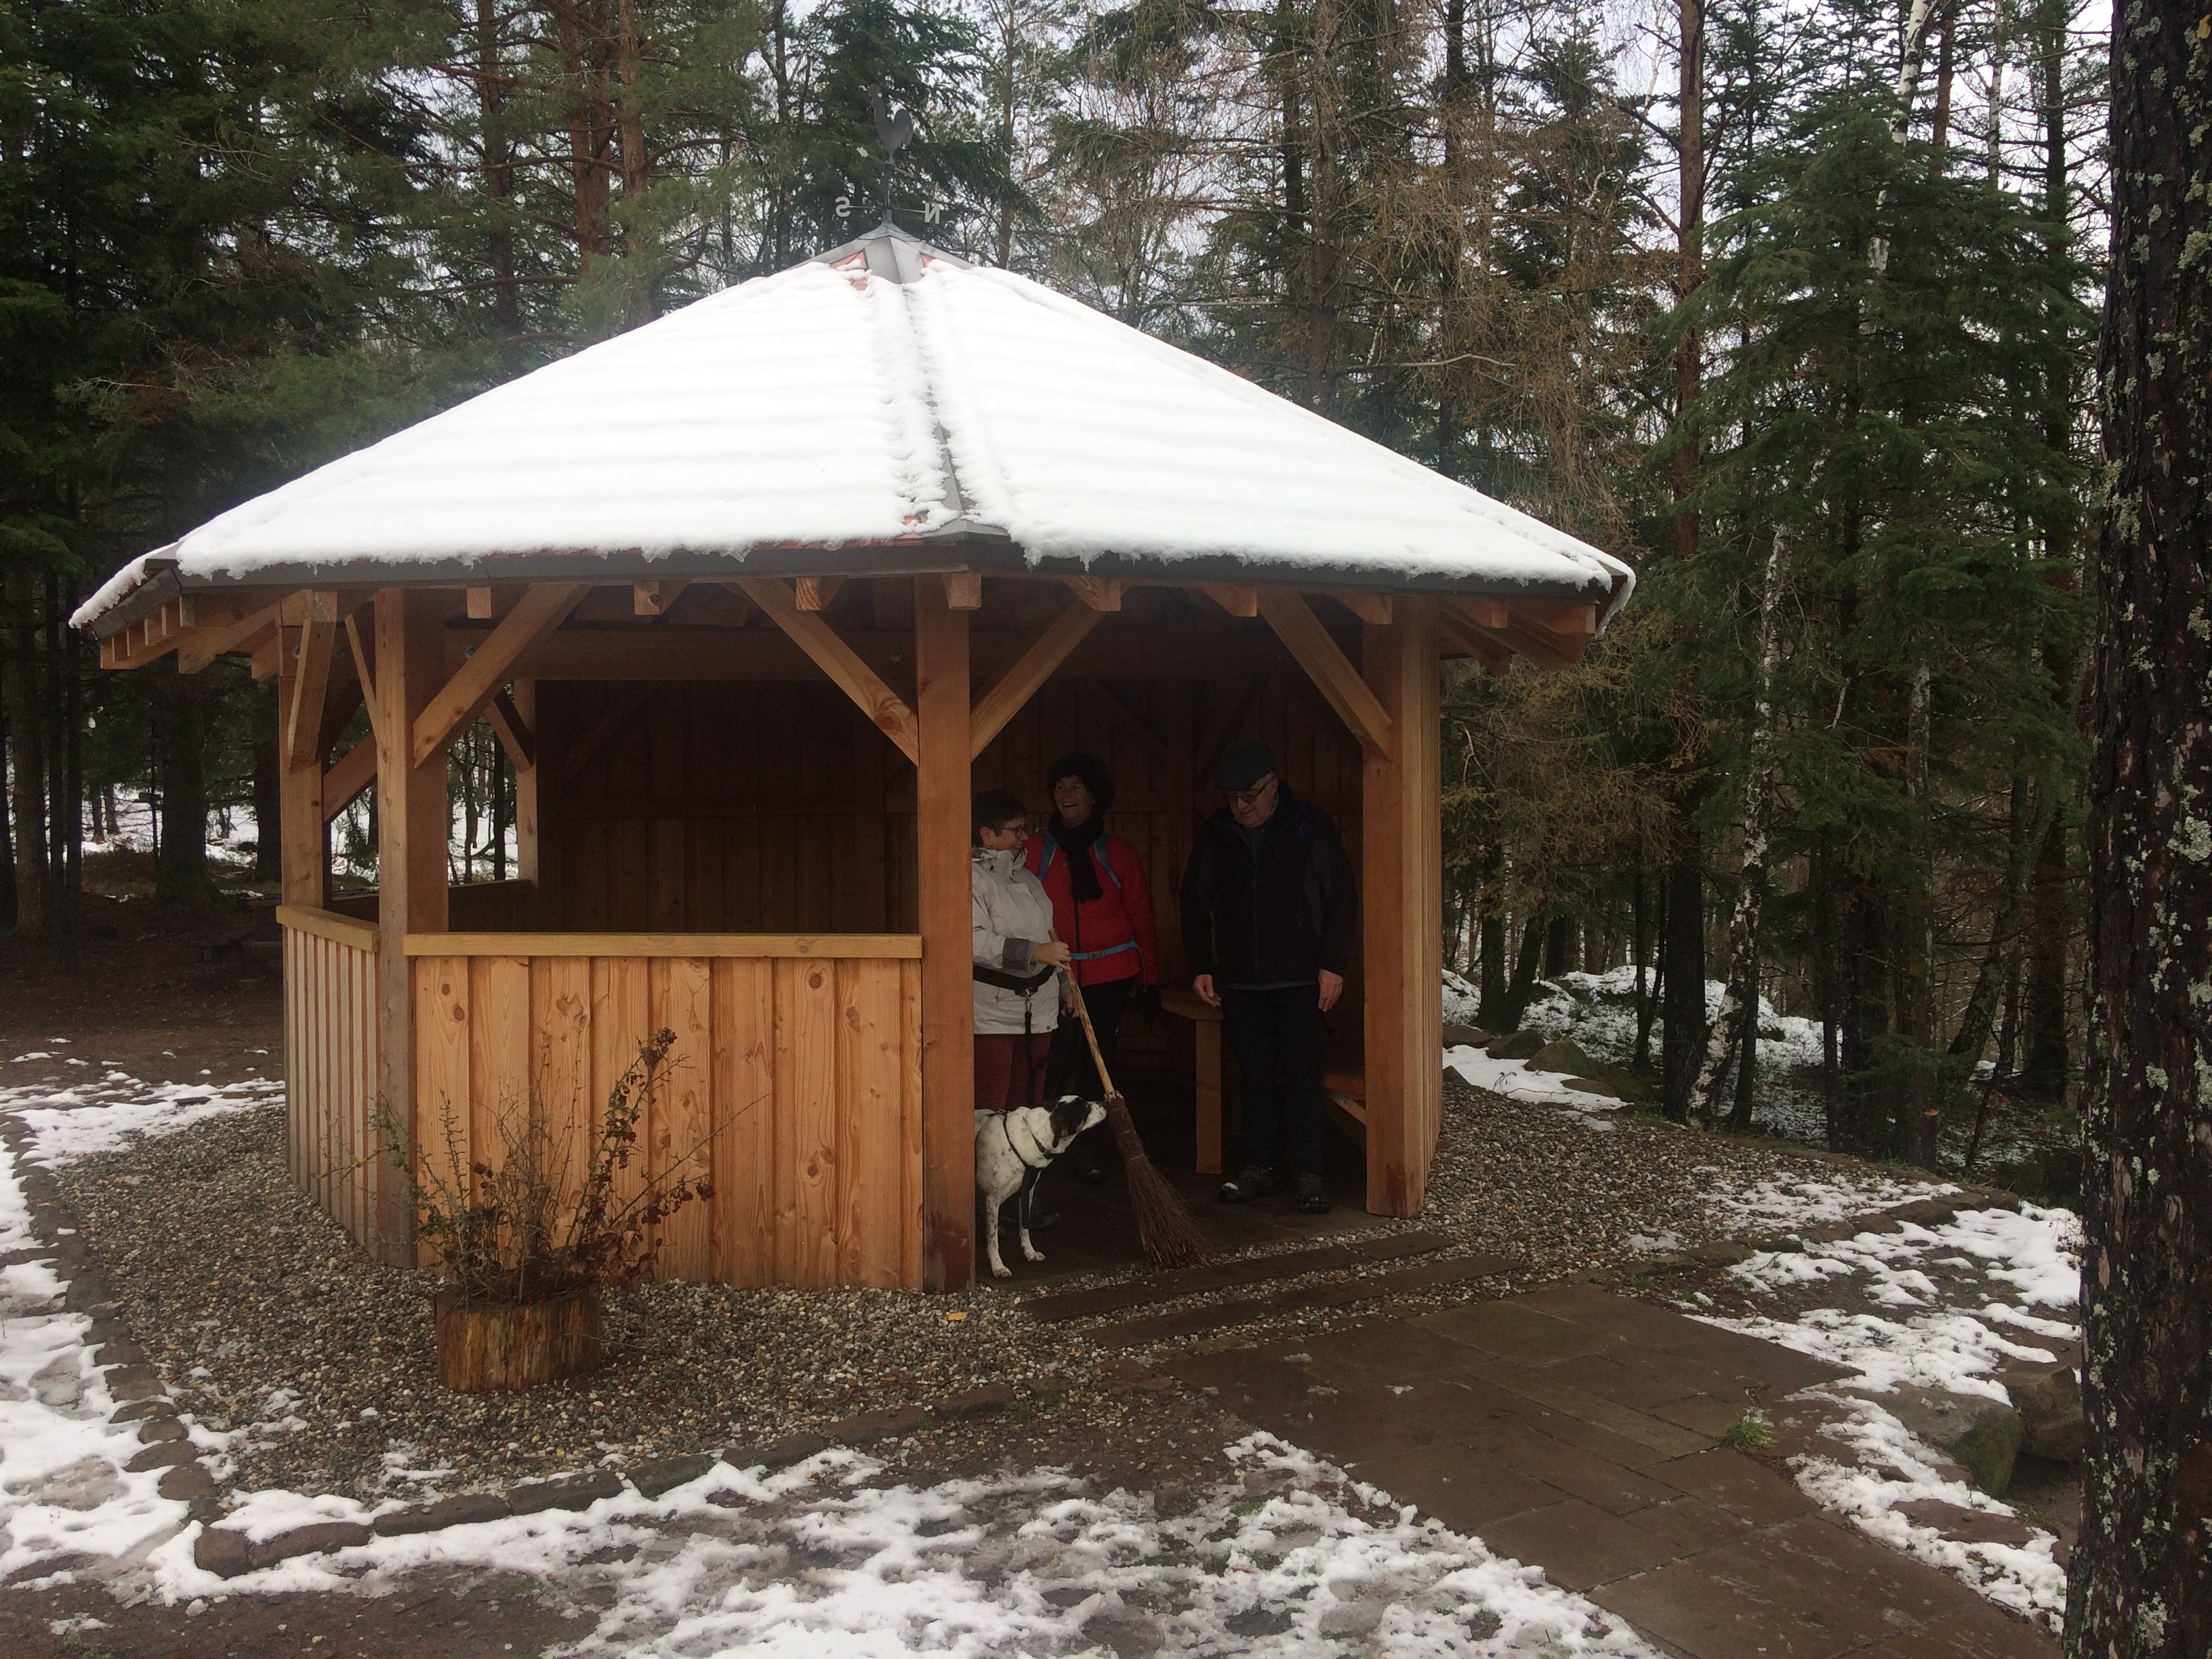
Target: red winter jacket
x=1102, y=931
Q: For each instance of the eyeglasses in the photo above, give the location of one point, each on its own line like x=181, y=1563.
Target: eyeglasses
x=1255, y=794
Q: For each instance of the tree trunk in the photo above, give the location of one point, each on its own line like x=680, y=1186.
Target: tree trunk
x=1921, y=1108
x=1747, y=1066
x=2023, y=830
x=2140, y=1582
x=1682, y=998
x=591, y=127
x=2048, y=1064
x=1740, y=998
x=498, y=169
x=1689, y=253
x=180, y=867
x=69, y=800
x=27, y=759
x=268, y=810
x=1523, y=989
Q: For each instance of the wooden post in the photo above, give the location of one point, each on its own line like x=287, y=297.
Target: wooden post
x=526, y=788
x=303, y=831
x=411, y=830
x=1401, y=837
x=942, y=834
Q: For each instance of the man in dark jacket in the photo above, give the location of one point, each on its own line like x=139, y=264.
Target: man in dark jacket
x=1270, y=921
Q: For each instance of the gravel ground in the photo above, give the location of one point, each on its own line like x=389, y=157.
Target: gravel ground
x=317, y=1370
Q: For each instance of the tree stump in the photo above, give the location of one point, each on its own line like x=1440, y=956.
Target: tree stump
x=486, y=1347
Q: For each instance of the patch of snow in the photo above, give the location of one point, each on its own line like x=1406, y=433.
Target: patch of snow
x=1956, y=1343
x=829, y=1557
x=1515, y=1080
x=1779, y=1203
x=94, y=1116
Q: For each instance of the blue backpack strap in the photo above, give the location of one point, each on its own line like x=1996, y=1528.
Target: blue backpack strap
x=1099, y=850
x=1051, y=852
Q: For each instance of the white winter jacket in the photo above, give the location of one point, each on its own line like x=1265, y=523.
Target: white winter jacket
x=1012, y=917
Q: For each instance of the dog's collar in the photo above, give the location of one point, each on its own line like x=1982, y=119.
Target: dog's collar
x=1006, y=1128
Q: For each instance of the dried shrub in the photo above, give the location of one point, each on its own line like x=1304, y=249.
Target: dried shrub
x=508, y=1234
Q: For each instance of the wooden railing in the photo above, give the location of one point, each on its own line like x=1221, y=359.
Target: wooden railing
x=330, y=1086
x=796, y=1064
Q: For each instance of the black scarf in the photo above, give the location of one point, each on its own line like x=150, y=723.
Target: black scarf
x=1076, y=839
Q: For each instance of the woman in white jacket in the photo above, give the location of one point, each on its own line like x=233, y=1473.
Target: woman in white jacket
x=1016, y=990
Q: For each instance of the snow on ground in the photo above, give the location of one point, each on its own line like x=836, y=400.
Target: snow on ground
x=1988, y=1288
x=64, y=1491
x=1598, y=1012
x=72, y=1118
x=1779, y=1203
x=833, y=1556
x=1516, y=1080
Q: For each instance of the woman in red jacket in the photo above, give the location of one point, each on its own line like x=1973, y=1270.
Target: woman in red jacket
x=1102, y=907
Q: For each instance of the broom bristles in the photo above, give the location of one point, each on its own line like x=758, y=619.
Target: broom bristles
x=1164, y=1228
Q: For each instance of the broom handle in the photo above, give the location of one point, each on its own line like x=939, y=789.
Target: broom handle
x=1083, y=1013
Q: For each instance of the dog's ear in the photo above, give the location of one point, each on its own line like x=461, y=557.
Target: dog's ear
x=1071, y=1116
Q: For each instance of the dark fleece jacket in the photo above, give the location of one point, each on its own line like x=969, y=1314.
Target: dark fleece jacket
x=1276, y=914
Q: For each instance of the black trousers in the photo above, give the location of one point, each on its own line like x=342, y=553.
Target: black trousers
x=1072, y=1071
x=1276, y=1036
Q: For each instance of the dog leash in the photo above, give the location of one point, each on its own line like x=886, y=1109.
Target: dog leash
x=1006, y=1128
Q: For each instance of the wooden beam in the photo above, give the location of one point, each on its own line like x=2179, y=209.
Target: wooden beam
x=1099, y=592
x=942, y=834
x=1520, y=625
x=1135, y=721
x=964, y=590
x=203, y=646
x=462, y=698
x=1460, y=638
x=840, y=661
x=1234, y=598
x=1566, y=616
x=522, y=699
x=346, y=696
x=364, y=665
x=1367, y=607
x=620, y=711
x=343, y=783
x=412, y=827
x=655, y=598
x=311, y=685
x=1402, y=898
x=480, y=603
x=268, y=654
x=816, y=592
x=1335, y=678
x=1018, y=682
x=513, y=731
x=302, y=832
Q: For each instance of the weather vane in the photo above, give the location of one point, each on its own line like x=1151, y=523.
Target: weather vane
x=895, y=128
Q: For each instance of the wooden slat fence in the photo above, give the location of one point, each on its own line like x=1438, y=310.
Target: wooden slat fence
x=330, y=1086
x=800, y=1055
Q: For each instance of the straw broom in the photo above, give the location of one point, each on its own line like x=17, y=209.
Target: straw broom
x=1164, y=1228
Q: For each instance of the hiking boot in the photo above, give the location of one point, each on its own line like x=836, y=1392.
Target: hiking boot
x=1313, y=1197
x=1249, y=1183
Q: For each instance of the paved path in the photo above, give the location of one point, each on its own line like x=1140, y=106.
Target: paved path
x=1580, y=1432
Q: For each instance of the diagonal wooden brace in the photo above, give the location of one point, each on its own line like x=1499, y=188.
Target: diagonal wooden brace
x=1333, y=675
x=837, y=659
x=462, y=698
x=1018, y=682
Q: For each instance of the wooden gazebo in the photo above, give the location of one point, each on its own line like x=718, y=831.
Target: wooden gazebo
x=756, y=597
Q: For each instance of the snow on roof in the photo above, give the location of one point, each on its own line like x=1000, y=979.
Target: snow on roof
x=884, y=393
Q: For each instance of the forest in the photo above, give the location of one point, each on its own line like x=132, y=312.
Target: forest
x=1791, y=303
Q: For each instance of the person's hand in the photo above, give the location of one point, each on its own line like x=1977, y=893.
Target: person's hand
x=1052, y=953
x=1332, y=987
x=1203, y=986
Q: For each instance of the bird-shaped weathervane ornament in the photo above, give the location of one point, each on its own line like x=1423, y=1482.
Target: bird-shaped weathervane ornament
x=894, y=128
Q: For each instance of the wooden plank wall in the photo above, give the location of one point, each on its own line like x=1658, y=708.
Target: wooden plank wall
x=806, y=1070
x=330, y=1086
x=748, y=807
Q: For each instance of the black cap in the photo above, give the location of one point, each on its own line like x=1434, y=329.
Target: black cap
x=1245, y=765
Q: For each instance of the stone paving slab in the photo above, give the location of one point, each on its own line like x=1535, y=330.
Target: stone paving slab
x=1227, y=1275
x=1240, y=1310
x=1580, y=1432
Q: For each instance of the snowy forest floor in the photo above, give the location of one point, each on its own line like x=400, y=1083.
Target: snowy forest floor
x=1106, y=1512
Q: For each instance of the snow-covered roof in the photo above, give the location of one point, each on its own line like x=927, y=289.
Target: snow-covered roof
x=888, y=397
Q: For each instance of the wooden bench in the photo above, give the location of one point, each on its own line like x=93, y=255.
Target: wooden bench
x=1345, y=1087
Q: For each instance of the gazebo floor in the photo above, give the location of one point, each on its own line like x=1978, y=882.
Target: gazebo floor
x=1098, y=1230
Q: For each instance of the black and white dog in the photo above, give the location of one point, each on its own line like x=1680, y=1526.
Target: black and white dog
x=1013, y=1150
